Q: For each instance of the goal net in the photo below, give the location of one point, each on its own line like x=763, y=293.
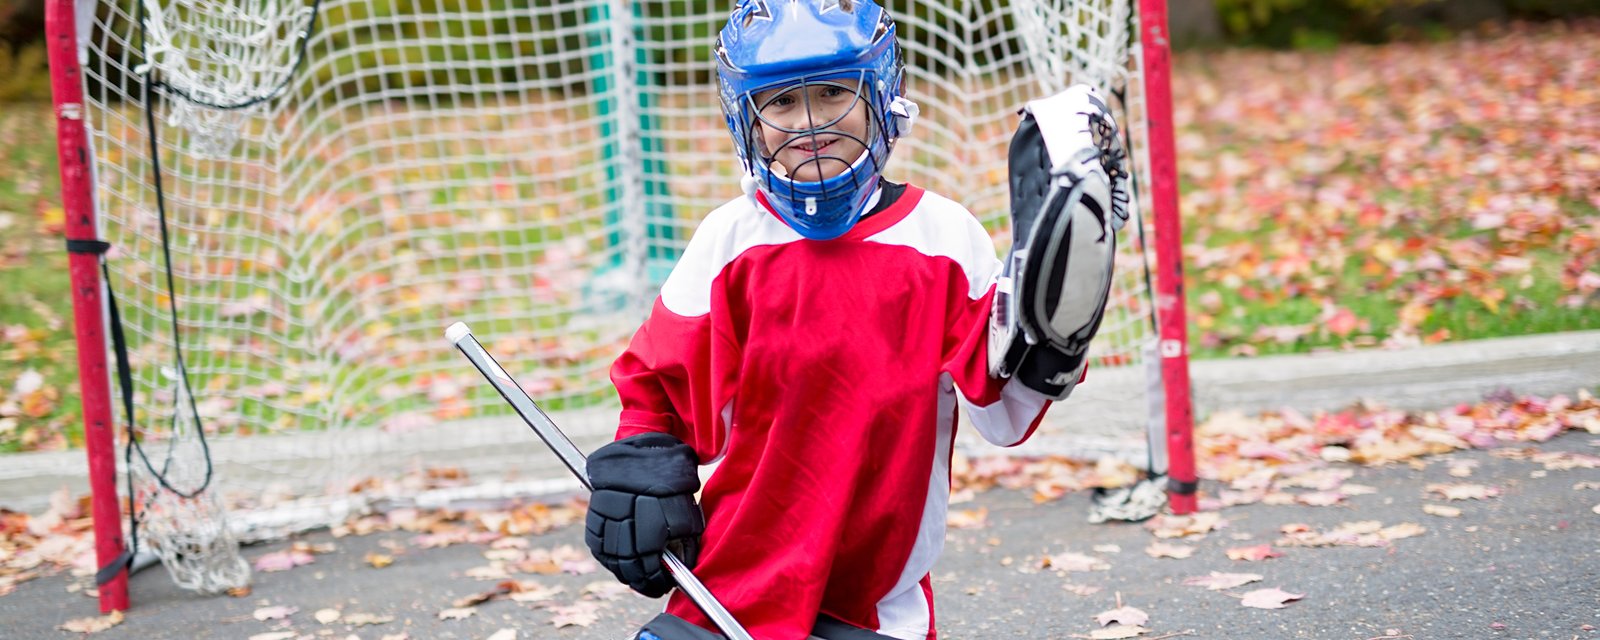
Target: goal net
x=301, y=194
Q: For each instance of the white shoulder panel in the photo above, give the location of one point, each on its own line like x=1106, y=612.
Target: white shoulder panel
x=941, y=227
x=729, y=230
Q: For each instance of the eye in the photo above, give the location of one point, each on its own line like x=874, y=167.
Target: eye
x=776, y=103
x=834, y=92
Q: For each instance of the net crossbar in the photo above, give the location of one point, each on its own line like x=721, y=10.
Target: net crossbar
x=341, y=179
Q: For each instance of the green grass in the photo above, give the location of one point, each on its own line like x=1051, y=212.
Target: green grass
x=1532, y=302
x=37, y=310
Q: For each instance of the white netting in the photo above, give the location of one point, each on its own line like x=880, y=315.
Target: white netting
x=530, y=167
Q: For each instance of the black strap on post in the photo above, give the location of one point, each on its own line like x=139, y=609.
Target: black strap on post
x=96, y=247
x=119, y=344
x=114, y=568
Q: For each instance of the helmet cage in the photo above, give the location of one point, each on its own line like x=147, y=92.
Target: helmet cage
x=808, y=134
x=817, y=207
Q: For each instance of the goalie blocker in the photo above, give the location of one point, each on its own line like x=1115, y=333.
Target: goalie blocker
x=1068, y=198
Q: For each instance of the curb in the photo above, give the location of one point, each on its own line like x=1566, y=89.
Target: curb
x=1428, y=377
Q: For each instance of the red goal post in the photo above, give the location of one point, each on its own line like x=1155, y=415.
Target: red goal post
x=1173, y=330
x=88, y=305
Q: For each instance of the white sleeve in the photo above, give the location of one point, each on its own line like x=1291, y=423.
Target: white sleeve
x=1010, y=420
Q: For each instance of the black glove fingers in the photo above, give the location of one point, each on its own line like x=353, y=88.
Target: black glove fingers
x=650, y=528
x=682, y=518
x=650, y=566
x=619, y=539
x=688, y=551
x=614, y=505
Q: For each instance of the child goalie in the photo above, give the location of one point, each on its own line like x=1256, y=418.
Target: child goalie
x=819, y=334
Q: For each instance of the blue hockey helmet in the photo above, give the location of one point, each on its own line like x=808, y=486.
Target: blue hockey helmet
x=770, y=48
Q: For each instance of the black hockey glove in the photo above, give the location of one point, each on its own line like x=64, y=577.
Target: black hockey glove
x=643, y=504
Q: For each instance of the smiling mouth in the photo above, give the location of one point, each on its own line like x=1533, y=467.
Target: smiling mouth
x=812, y=149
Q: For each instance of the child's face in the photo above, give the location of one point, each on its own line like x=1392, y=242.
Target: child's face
x=810, y=145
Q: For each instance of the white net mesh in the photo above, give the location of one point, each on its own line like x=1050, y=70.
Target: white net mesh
x=530, y=167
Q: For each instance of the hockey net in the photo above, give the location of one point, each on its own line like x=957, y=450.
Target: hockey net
x=301, y=195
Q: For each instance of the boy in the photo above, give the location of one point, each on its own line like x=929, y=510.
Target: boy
x=817, y=337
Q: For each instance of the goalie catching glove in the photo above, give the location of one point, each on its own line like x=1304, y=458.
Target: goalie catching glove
x=1069, y=195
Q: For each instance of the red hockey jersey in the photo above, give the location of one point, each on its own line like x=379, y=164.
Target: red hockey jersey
x=825, y=377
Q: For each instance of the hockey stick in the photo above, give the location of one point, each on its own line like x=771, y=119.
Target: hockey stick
x=461, y=336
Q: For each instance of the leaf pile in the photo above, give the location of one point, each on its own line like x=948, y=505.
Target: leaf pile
x=1271, y=456
x=1391, y=195
x=1282, y=457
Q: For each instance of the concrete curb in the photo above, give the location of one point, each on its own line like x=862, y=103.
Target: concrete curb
x=1428, y=377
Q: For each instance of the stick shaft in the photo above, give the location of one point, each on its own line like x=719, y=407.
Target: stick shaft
x=526, y=407
x=576, y=462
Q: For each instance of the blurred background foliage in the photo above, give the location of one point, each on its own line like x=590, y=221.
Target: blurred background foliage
x=1328, y=23
x=1302, y=24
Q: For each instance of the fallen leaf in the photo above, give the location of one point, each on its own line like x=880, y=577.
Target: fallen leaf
x=494, y=571
x=1070, y=561
x=1122, y=615
x=363, y=619
x=579, y=566
x=1464, y=491
x=503, y=634
x=379, y=560
x=1164, y=550
x=604, y=590
x=1171, y=526
x=1269, y=598
x=1320, y=498
x=1401, y=531
x=1254, y=553
x=539, y=593
x=274, y=613
x=327, y=616
x=308, y=547
x=283, y=560
x=1081, y=589
x=504, y=588
x=1117, y=632
x=581, y=614
x=1442, y=511
x=1218, y=581
x=93, y=624
x=968, y=518
x=459, y=613
x=275, y=635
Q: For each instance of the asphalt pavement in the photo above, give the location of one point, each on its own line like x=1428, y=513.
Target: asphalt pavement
x=1525, y=564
